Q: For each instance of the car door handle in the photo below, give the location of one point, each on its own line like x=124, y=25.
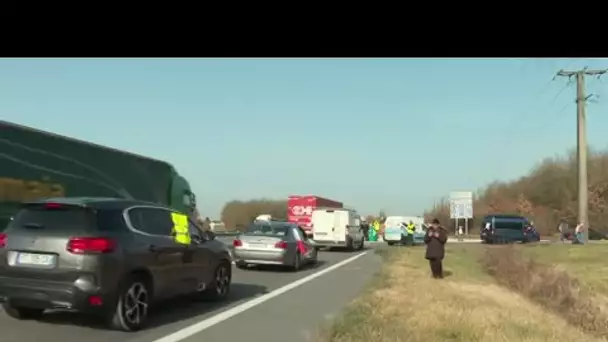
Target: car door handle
x=152, y=248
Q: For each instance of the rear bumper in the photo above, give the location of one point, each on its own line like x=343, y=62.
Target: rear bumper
x=328, y=243
x=497, y=239
x=52, y=295
x=392, y=237
x=259, y=257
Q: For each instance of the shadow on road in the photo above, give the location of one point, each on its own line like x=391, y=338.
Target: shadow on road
x=346, y=250
x=272, y=268
x=164, y=313
x=185, y=308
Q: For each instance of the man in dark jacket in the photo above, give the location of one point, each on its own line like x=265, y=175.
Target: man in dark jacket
x=365, y=229
x=435, y=240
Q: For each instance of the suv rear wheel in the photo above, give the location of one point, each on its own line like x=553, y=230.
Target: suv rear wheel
x=361, y=244
x=131, y=311
x=220, y=286
x=22, y=313
x=350, y=244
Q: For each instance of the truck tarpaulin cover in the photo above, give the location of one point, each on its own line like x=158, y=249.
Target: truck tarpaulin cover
x=299, y=208
x=38, y=164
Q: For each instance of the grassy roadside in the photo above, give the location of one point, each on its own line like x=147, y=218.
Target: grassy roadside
x=587, y=263
x=565, y=279
x=405, y=304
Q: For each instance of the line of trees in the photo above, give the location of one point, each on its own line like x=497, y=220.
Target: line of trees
x=238, y=214
x=546, y=195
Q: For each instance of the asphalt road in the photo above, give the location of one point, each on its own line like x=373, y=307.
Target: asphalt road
x=301, y=308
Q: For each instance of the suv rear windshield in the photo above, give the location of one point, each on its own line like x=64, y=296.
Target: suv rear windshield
x=509, y=225
x=65, y=219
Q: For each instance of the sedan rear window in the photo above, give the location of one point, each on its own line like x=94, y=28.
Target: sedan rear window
x=266, y=229
x=64, y=219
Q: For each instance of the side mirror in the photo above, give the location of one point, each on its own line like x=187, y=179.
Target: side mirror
x=197, y=239
x=210, y=235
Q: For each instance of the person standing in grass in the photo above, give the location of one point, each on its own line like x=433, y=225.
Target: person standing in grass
x=435, y=239
x=563, y=231
x=579, y=233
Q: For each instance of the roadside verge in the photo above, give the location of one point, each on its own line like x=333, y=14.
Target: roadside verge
x=405, y=304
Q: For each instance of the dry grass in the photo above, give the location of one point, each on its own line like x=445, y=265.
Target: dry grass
x=551, y=284
x=586, y=263
x=406, y=304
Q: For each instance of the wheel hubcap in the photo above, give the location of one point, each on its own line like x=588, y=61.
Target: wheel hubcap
x=135, y=303
x=222, y=280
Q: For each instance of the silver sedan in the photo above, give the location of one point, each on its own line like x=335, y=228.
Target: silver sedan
x=274, y=243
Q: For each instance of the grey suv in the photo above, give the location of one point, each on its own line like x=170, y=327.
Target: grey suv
x=110, y=257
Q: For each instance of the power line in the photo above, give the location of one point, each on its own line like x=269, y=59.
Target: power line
x=581, y=143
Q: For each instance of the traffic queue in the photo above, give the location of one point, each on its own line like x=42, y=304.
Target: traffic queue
x=267, y=241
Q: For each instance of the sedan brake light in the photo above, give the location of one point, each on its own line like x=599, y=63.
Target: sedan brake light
x=237, y=243
x=281, y=245
x=53, y=205
x=3, y=240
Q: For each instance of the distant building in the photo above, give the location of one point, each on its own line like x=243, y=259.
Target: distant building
x=217, y=226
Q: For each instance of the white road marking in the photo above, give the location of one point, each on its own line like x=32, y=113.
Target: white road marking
x=222, y=316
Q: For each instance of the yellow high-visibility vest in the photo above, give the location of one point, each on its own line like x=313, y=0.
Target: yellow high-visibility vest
x=180, y=228
x=376, y=225
x=411, y=228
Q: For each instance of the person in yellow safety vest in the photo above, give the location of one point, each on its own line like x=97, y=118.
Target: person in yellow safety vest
x=411, y=229
x=376, y=225
x=180, y=231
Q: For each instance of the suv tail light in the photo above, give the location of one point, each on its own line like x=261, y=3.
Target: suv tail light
x=3, y=240
x=90, y=245
x=237, y=243
x=281, y=245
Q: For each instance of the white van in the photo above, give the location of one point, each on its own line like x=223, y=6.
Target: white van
x=333, y=227
x=393, y=230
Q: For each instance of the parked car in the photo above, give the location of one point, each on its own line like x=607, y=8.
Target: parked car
x=113, y=258
x=270, y=242
x=507, y=229
x=597, y=235
x=394, y=232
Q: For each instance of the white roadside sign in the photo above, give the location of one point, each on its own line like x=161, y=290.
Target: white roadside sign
x=461, y=205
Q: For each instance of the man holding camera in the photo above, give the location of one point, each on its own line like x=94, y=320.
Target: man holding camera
x=435, y=239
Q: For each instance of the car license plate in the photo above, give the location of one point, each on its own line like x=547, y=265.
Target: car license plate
x=35, y=259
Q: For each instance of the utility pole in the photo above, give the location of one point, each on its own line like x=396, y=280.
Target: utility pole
x=581, y=142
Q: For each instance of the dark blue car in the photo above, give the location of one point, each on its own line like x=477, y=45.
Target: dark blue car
x=507, y=229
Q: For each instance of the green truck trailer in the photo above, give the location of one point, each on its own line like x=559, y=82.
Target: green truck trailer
x=36, y=164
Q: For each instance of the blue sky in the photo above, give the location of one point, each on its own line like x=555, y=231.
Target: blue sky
x=390, y=134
